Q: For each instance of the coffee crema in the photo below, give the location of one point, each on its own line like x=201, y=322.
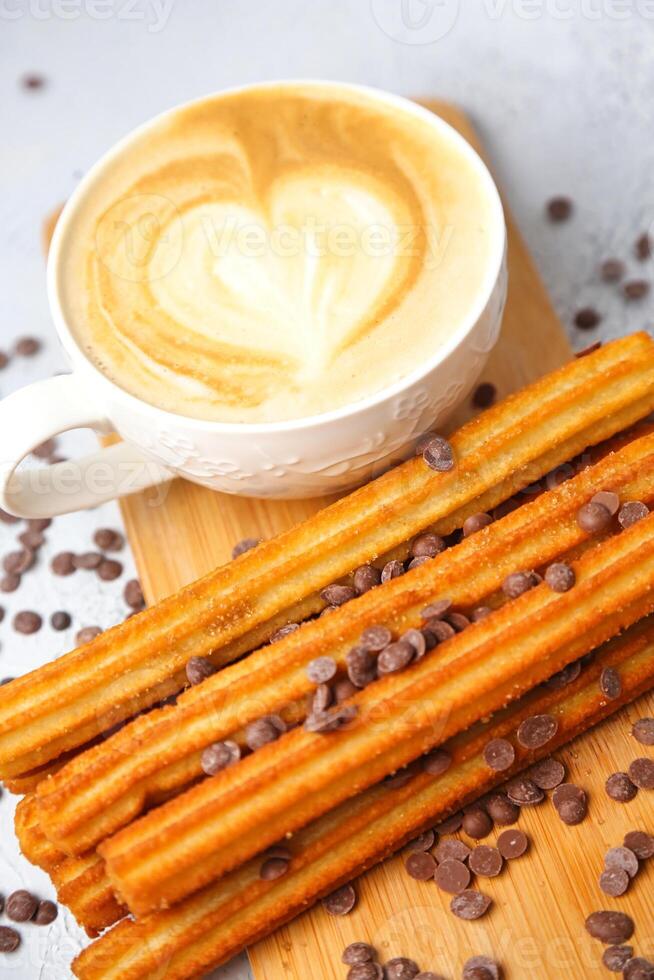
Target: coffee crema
x=276, y=253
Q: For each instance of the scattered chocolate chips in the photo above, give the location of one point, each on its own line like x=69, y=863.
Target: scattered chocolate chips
x=485, y=861
x=587, y=318
x=563, y=678
x=340, y=902
x=366, y=577
x=438, y=454
x=436, y=610
x=133, y=594
x=641, y=772
x=218, y=756
x=427, y=545
x=365, y=971
x=86, y=634
x=361, y=666
x=571, y=807
x=451, y=849
x=436, y=762
x=357, y=953
x=615, y=958
x=612, y=270
x=109, y=569
x=560, y=576
x=286, y=630
x=593, y=517
x=480, y=968
x=537, y=731
x=330, y=720
x=559, y=209
x=610, y=683
x=512, y=844
x=263, y=730
x=322, y=699
x=247, y=544
x=621, y=859
x=198, y=669
x=60, y=620
x=481, y=612
x=638, y=968
x=449, y=826
x=392, y=569
x=9, y=940
x=632, y=512
x=343, y=690
x=643, y=731
x=321, y=670
x=635, y=289
x=475, y=523
x=477, y=824
x=620, y=788
x=424, y=842
x=470, y=905
x=420, y=865
x=273, y=868
x=46, y=913
x=396, y=656
x=27, y=346
x=499, y=754
x=375, y=638
x=484, y=395
x=18, y=562
x=640, y=843
x=401, y=968
x=27, y=622
x=612, y=928
x=524, y=792
x=614, y=882
x=338, y=595
x=452, y=876
x=107, y=539
x=21, y=906
x=63, y=563
x=607, y=499
x=501, y=810
x=548, y=773
x=643, y=247
x=9, y=583
x=517, y=584
x=88, y=560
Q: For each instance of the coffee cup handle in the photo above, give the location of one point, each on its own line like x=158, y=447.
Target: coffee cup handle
x=41, y=411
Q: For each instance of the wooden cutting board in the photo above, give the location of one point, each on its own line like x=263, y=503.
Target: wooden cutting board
x=536, y=926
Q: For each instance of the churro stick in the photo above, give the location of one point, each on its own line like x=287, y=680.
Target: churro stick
x=210, y=927
x=67, y=703
x=193, y=839
x=158, y=755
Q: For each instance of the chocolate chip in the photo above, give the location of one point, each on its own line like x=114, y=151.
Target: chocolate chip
x=366, y=577
x=587, y=318
x=198, y=669
x=86, y=634
x=593, y=517
x=429, y=975
x=392, y=569
x=548, y=773
x=322, y=699
x=273, y=868
x=452, y=876
x=643, y=731
x=559, y=209
x=436, y=762
x=365, y=971
x=18, y=562
x=338, y=595
x=436, y=610
x=537, y=731
x=321, y=670
x=614, y=882
x=560, y=576
x=438, y=454
x=46, y=913
x=609, y=500
x=451, y=848
x=27, y=346
x=247, y=544
x=27, y=622
x=375, y=638
x=512, y=844
x=485, y=861
x=567, y=791
x=401, y=968
x=563, y=678
x=621, y=859
x=278, y=851
x=524, y=792
x=357, y=953
x=499, y=754
x=424, y=842
x=109, y=569
x=572, y=811
x=343, y=690
x=402, y=776
x=107, y=539
x=133, y=594
x=9, y=940
x=480, y=968
x=60, y=620
x=458, y=621
x=420, y=866
x=477, y=824
x=340, y=902
x=21, y=906
x=481, y=612
x=31, y=540
x=330, y=720
x=612, y=270
x=501, y=810
x=610, y=927
x=417, y=640
x=640, y=843
x=614, y=958
x=632, y=512
x=636, y=289
x=476, y=522
x=89, y=560
x=484, y=395
x=218, y=756
x=517, y=584
x=450, y=825
x=9, y=583
x=442, y=631
x=395, y=657
x=470, y=905
x=638, y=968
x=63, y=563
x=263, y=730
x=610, y=683
x=285, y=630
x=427, y=545
x=361, y=666
x=641, y=772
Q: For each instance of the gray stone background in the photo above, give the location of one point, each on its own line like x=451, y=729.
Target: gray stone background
x=560, y=89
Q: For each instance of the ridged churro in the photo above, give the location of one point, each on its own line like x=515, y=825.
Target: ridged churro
x=67, y=703
x=217, y=825
x=210, y=927
x=158, y=755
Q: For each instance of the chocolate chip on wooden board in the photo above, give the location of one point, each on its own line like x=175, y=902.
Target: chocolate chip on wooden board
x=612, y=928
x=470, y=904
x=615, y=958
x=524, y=791
x=571, y=803
x=512, y=844
x=620, y=788
x=477, y=824
x=547, y=774
x=341, y=901
x=420, y=865
x=643, y=731
x=501, y=810
x=641, y=843
x=401, y=968
x=451, y=849
x=481, y=968
x=621, y=859
x=638, y=968
x=485, y=861
x=366, y=971
x=452, y=876
x=614, y=882
x=641, y=773
x=357, y=953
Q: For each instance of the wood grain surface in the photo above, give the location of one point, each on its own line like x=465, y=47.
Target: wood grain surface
x=536, y=926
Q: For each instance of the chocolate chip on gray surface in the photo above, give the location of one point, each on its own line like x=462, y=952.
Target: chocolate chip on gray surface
x=501, y=810
x=614, y=958
x=593, y=517
x=88, y=560
x=499, y=754
x=587, y=318
x=436, y=762
x=438, y=454
x=366, y=577
x=524, y=791
x=420, y=865
x=641, y=772
x=610, y=683
x=560, y=576
x=375, y=638
x=450, y=825
x=451, y=849
x=341, y=901
x=470, y=905
x=484, y=395
x=198, y=669
x=27, y=346
x=643, y=247
x=632, y=512
x=32, y=540
x=614, y=882
x=108, y=539
x=608, y=499
x=436, y=610
x=640, y=843
x=365, y=971
x=46, y=913
x=517, y=584
x=361, y=666
x=9, y=940
x=635, y=289
x=86, y=634
x=475, y=523
x=273, y=868
x=357, y=953
x=218, y=756
x=39, y=524
x=263, y=730
x=485, y=861
x=537, y=731
x=247, y=544
x=490, y=970
x=27, y=622
x=612, y=270
x=612, y=928
x=392, y=569
x=643, y=731
x=638, y=968
x=559, y=208
x=133, y=594
x=63, y=563
x=330, y=720
x=401, y=968
x=452, y=876
x=548, y=773
x=620, y=788
x=477, y=824
x=60, y=620
x=512, y=843
x=321, y=670
x=109, y=569
x=338, y=595
x=396, y=656
x=427, y=545
x=21, y=906
x=621, y=859
x=19, y=562
x=424, y=841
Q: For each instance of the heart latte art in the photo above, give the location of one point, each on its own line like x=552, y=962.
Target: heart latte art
x=276, y=253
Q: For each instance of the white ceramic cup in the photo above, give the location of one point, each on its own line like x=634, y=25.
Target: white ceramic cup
x=304, y=457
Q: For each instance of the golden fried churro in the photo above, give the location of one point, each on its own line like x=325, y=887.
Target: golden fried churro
x=67, y=703
x=193, y=839
x=158, y=755
x=210, y=927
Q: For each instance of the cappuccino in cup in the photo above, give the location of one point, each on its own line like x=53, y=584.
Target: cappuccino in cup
x=276, y=253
